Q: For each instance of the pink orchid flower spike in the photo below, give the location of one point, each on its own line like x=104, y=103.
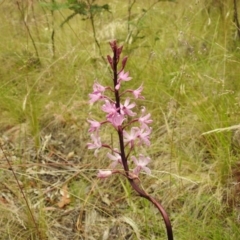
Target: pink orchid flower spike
x=132, y=130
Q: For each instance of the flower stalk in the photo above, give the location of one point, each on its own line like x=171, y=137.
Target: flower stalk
x=120, y=116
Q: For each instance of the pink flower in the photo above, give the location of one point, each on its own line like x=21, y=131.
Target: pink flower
x=109, y=108
x=96, y=143
x=116, y=119
x=97, y=93
x=130, y=138
x=126, y=108
x=104, y=173
x=137, y=92
x=95, y=125
x=145, y=120
x=94, y=97
x=122, y=76
x=143, y=135
x=141, y=164
x=116, y=157
x=98, y=88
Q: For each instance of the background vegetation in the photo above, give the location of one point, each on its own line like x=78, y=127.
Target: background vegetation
x=187, y=55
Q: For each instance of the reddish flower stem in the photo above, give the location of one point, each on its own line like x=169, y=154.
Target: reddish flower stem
x=117, y=97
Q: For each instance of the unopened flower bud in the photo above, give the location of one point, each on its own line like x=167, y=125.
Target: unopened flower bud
x=104, y=173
